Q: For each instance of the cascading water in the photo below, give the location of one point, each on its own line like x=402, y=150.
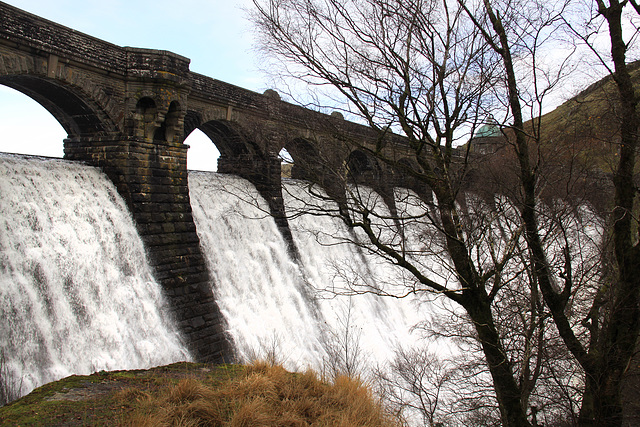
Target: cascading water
x=336, y=265
x=273, y=303
x=76, y=292
x=300, y=309
x=258, y=286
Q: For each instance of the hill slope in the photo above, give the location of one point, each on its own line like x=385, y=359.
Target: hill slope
x=199, y=394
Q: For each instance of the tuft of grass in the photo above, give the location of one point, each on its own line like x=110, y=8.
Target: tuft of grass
x=131, y=394
x=265, y=395
x=188, y=394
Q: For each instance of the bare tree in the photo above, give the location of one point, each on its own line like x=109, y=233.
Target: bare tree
x=425, y=69
x=10, y=385
x=421, y=384
x=613, y=321
x=344, y=354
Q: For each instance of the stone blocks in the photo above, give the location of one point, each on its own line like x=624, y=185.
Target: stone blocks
x=152, y=178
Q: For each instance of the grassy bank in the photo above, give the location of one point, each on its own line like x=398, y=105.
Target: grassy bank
x=188, y=394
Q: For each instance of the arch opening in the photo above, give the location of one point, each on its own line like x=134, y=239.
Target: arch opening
x=238, y=154
x=305, y=162
x=202, y=154
x=217, y=145
x=285, y=157
x=77, y=114
x=146, y=115
x=27, y=127
x=362, y=167
x=229, y=141
x=408, y=167
x=286, y=163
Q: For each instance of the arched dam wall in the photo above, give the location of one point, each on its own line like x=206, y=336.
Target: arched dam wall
x=128, y=110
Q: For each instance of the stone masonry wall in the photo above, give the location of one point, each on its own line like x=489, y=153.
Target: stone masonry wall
x=152, y=178
x=124, y=110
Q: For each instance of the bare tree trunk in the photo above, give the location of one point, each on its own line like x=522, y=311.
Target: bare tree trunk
x=507, y=391
x=477, y=304
x=528, y=181
x=602, y=404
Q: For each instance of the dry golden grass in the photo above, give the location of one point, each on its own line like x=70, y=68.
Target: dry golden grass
x=265, y=395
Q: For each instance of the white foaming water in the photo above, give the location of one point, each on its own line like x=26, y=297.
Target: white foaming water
x=336, y=264
x=272, y=302
x=76, y=291
x=295, y=308
x=258, y=287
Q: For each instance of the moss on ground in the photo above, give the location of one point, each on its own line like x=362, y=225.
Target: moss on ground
x=189, y=394
x=105, y=398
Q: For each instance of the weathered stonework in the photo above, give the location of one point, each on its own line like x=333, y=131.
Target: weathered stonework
x=152, y=178
x=128, y=111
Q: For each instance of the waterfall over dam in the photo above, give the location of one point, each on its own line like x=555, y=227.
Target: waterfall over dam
x=76, y=291
x=271, y=300
x=77, y=294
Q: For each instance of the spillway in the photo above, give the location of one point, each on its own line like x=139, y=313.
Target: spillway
x=296, y=310
x=77, y=294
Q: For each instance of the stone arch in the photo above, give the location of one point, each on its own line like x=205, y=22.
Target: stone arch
x=306, y=160
x=77, y=112
x=404, y=175
x=309, y=164
x=192, y=121
x=232, y=143
x=363, y=167
x=404, y=171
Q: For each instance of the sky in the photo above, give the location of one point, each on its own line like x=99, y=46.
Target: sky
x=214, y=34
